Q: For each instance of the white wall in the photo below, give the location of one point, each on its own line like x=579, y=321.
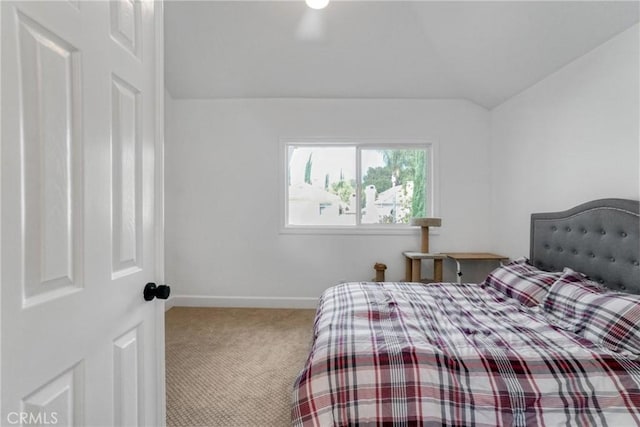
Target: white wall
x=222, y=185
x=570, y=138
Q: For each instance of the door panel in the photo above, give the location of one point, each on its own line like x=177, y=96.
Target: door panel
x=125, y=24
x=79, y=343
x=127, y=362
x=57, y=402
x=50, y=150
x=126, y=181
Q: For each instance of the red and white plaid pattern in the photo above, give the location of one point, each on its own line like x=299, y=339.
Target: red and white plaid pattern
x=562, y=306
x=606, y=318
x=522, y=281
x=455, y=355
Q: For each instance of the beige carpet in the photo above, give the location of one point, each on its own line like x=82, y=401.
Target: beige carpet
x=232, y=366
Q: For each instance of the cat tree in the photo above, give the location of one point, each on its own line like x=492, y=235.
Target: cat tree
x=413, y=263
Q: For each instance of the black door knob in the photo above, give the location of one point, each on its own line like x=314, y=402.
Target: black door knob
x=152, y=291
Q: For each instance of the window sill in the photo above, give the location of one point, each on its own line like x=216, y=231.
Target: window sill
x=360, y=231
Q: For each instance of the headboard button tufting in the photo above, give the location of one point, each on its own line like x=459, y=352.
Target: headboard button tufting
x=599, y=238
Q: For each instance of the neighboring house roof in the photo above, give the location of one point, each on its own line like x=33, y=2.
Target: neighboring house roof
x=388, y=197
x=309, y=193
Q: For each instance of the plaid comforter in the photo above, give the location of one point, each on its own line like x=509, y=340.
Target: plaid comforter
x=456, y=355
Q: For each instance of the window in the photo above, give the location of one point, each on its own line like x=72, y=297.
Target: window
x=357, y=185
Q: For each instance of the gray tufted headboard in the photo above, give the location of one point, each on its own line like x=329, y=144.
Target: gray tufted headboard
x=600, y=239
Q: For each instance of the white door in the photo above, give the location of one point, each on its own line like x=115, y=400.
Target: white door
x=80, y=346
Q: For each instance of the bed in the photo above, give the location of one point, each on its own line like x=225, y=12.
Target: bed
x=549, y=340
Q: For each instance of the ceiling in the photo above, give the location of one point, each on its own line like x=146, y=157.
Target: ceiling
x=485, y=52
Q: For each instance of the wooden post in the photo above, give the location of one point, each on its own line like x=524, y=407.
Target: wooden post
x=424, y=247
x=379, y=268
x=437, y=270
x=424, y=224
x=416, y=269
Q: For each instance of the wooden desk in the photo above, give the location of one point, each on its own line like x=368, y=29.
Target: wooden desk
x=472, y=256
x=413, y=266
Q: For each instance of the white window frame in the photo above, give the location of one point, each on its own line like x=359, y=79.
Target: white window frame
x=431, y=186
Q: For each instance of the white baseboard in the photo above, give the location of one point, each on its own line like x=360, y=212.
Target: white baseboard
x=241, y=302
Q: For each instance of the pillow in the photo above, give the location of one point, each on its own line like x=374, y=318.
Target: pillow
x=522, y=281
x=606, y=318
x=564, y=306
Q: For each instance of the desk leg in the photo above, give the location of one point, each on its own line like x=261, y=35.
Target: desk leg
x=458, y=271
x=407, y=269
x=416, y=267
x=437, y=270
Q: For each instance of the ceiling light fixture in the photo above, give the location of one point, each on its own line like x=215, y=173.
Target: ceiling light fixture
x=317, y=4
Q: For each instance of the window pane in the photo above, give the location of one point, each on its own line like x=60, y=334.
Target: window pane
x=322, y=185
x=393, y=185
